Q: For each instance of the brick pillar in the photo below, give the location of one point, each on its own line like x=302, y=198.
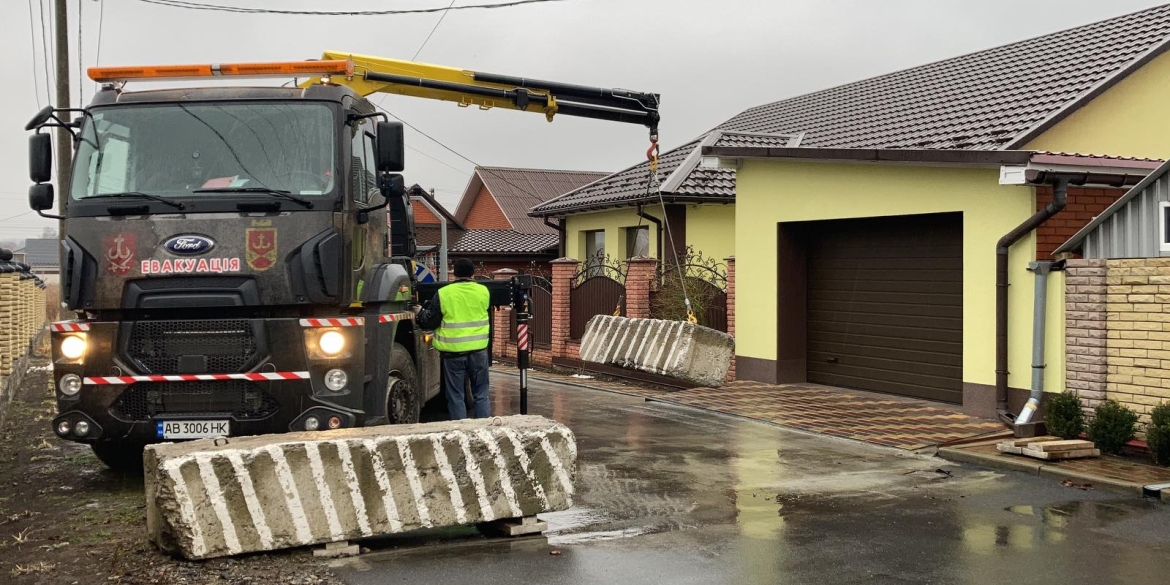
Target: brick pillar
x=1086, y=330
x=731, y=310
x=563, y=271
x=639, y=280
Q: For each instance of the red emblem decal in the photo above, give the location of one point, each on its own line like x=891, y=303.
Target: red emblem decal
x=120, y=250
x=261, y=248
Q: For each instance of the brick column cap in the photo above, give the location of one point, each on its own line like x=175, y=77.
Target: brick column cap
x=565, y=261
x=504, y=274
x=642, y=260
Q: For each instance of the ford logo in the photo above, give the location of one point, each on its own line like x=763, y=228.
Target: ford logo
x=188, y=245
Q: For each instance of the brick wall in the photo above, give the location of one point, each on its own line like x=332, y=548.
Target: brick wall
x=1085, y=330
x=485, y=213
x=1083, y=206
x=1137, y=305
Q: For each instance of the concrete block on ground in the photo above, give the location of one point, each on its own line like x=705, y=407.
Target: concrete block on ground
x=280, y=491
x=688, y=352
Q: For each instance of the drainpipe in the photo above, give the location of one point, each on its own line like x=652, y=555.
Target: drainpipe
x=1059, y=200
x=657, y=222
x=1039, y=317
x=560, y=227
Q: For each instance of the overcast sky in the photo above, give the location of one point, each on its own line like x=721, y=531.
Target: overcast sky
x=710, y=59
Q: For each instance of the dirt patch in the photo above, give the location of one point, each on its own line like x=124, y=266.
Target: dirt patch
x=65, y=519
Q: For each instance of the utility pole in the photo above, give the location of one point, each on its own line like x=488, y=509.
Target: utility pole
x=64, y=138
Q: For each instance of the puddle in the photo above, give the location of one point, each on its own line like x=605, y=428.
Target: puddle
x=1059, y=515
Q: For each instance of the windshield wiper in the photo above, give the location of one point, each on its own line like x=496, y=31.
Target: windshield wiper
x=139, y=195
x=265, y=190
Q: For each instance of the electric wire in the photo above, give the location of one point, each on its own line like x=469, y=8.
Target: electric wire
x=97, y=58
x=80, y=54
x=253, y=10
x=32, y=38
x=45, y=53
x=433, y=29
x=14, y=217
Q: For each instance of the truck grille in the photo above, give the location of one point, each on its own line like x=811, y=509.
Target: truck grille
x=229, y=346
x=235, y=398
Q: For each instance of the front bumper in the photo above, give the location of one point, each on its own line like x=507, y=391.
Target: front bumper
x=123, y=395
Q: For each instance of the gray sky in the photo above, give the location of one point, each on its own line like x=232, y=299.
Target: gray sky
x=709, y=59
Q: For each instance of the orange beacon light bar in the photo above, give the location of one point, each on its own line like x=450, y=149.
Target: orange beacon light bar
x=270, y=69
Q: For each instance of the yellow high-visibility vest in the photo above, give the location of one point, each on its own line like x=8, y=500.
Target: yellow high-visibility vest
x=466, y=325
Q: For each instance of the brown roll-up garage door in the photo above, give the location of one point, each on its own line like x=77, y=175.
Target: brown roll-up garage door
x=885, y=305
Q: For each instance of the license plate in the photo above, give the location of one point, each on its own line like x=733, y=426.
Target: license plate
x=192, y=429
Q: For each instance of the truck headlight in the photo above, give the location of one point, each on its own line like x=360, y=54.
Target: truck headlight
x=331, y=343
x=73, y=347
x=70, y=384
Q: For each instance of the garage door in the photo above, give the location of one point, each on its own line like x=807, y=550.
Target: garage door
x=885, y=305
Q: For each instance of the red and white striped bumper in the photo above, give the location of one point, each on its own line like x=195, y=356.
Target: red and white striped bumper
x=68, y=326
x=253, y=377
x=352, y=321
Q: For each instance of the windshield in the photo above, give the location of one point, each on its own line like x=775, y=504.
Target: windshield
x=179, y=150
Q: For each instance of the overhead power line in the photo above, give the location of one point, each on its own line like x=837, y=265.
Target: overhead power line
x=433, y=29
x=45, y=53
x=253, y=10
x=97, y=58
x=32, y=38
x=80, y=54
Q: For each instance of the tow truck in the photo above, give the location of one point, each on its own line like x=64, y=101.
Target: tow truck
x=238, y=260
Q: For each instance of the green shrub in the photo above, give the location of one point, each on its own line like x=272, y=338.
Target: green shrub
x=1112, y=426
x=1158, y=434
x=1065, y=418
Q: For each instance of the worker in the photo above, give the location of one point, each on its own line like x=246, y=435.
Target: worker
x=458, y=314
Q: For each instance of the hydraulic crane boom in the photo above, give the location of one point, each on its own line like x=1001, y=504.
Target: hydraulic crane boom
x=490, y=90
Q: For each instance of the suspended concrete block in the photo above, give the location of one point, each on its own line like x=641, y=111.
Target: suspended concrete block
x=676, y=349
x=278, y=491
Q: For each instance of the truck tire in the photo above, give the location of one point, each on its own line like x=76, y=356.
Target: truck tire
x=120, y=456
x=403, y=403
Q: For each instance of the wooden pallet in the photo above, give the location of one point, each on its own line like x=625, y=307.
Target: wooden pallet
x=1049, y=448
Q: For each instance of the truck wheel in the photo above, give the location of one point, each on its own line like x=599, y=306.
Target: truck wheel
x=402, y=400
x=119, y=456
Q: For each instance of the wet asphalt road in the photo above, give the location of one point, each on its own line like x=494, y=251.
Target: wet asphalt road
x=674, y=495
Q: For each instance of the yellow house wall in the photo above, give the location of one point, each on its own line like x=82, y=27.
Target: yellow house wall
x=614, y=224
x=770, y=192
x=1129, y=119
x=710, y=229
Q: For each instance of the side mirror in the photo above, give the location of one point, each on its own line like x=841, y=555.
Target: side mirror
x=40, y=157
x=40, y=196
x=391, y=147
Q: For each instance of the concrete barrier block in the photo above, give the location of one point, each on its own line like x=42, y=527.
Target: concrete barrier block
x=279, y=491
x=676, y=349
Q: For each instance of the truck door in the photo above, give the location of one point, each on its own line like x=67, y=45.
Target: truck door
x=367, y=240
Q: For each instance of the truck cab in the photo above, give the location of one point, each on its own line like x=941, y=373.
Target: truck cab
x=238, y=261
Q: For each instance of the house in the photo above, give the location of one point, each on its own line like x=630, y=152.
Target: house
x=868, y=218
x=494, y=228
x=1117, y=300
x=42, y=256
x=428, y=227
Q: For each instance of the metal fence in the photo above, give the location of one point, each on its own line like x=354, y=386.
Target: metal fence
x=540, y=327
x=599, y=290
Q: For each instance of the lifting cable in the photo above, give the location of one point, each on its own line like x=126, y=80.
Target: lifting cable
x=654, y=183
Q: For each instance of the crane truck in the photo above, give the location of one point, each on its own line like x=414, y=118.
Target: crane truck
x=237, y=260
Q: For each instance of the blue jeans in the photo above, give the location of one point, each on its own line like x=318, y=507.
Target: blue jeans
x=458, y=369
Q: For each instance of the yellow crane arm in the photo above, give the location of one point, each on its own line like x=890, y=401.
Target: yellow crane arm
x=488, y=90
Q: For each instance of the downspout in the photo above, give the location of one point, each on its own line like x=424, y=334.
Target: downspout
x=1039, y=320
x=1059, y=200
x=561, y=236
x=658, y=223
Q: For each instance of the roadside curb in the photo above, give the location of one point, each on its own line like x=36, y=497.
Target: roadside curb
x=1041, y=469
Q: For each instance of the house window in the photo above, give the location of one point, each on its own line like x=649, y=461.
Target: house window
x=637, y=241
x=594, y=251
x=1165, y=227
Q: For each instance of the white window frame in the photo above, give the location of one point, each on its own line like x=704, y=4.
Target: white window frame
x=1163, y=244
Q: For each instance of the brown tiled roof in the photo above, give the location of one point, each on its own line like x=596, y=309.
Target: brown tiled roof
x=679, y=170
x=431, y=235
x=517, y=190
x=983, y=100
x=999, y=98
x=504, y=242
